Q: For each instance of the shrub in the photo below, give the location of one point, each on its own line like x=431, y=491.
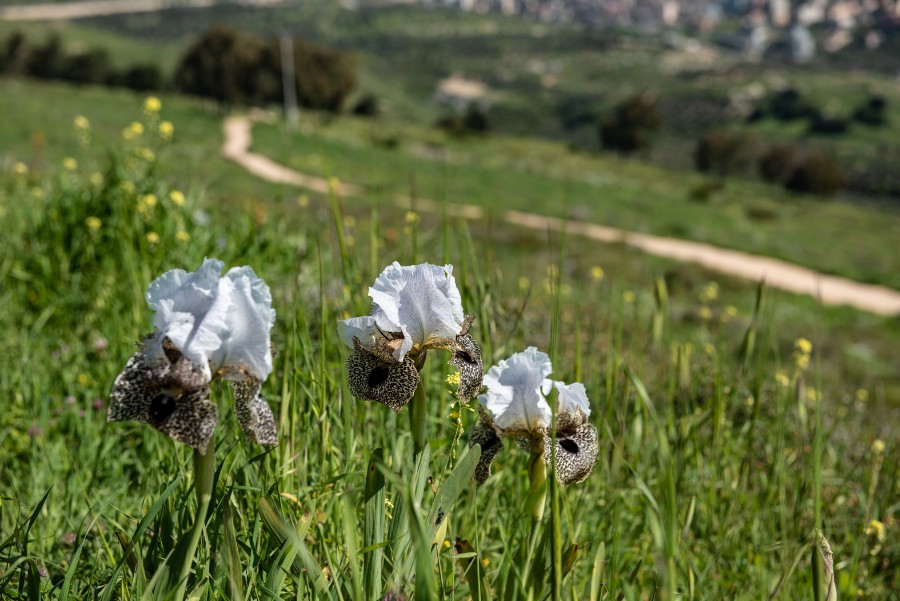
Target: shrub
x=143, y=78
x=727, y=153
x=818, y=173
x=14, y=54
x=822, y=124
x=367, y=106
x=872, y=112
x=778, y=164
x=91, y=67
x=632, y=124
x=46, y=61
x=789, y=105
x=475, y=120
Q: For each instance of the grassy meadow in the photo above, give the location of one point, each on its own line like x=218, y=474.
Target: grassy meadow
x=734, y=421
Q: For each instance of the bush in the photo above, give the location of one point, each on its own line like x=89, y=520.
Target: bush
x=872, y=112
x=367, y=106
x=821, y=124
x=143, y=78
x=632, y=124
x=727, y=153
x=789, y=105
x=807, y=171
x=475, y=120
x=91, y=67
x=238, y=68
x=778, y=164
x=818, y=173
x=46, y=61
x=14, y=54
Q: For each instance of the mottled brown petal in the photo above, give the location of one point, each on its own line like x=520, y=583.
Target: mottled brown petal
x=467, y=359
x=166, y=392
x=375, y=377
x=253, y=413
x=576, y=452
x=485, y=435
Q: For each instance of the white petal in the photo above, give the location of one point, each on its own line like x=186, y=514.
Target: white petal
x=191, y=310
x=245, y=348
x=359, y=327
x=420, y=301
x=514, y=391
x=572, y=398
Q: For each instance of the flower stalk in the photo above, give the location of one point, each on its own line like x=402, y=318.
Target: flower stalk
x=204, y=473
x=537, y=491
x=418, y=413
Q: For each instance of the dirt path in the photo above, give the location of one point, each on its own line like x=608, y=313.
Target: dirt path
x=831, y=290
x=63, y=11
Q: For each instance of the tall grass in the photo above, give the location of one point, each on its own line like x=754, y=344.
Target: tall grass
x=720, y=456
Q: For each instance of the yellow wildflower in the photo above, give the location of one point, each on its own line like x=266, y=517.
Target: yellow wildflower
x=862, y=395
x=166, y=130
x=596, y=273
x=705, y=313
x=803, y=345
x=93, y=223
x=147, y=155
x=412, y=217
x=552, y=271
x=782, y=378
x=70, y=164
x=83, y=380
x=446, y=544
x=152, y=104
x=350, y=241
x=453, y=379
x=127, y=187
x=149, y=200
x=710, y=292
x=133, y=131
x=485, y=562
x=152, y=237
x=182, y=236
x=303, y=201
x=81, y=123
x=524, y=283
x=177, y=198
x=20, y=168
x=876, y=528
x=37, y=192
x=628, y=297
x=97, y=178
x=878, y=446
x=813, y=395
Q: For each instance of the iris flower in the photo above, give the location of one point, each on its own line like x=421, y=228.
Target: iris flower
x=205, y=327
x=515, y=405
x=414, y=309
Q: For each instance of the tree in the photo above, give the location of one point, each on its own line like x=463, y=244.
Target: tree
x=632, y=124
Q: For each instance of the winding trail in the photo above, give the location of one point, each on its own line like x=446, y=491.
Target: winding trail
x=829, y=289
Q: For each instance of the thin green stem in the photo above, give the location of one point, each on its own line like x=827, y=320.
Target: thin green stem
x=418, y=416
x=204, y=471
x=537, y=492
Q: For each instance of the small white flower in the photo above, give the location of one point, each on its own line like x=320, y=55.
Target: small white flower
x=414, y=309
x=206, y=326
x=515, y=405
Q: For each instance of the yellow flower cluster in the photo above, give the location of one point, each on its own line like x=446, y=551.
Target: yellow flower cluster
x=876, y=529
x=182, y=236
x=166, y=130
x=802, y=353
x=153, y=238
x=152, y=105
x=597, y=273
x=628, y=297
x=710, y=292
x=70, y=164
x=146, y=204
x=133, y=131
x=453, y=379
x=705, y=313
x=20, y=168
x=93, y=223
x=878, y=446
x=782, y=378
x=177, y=198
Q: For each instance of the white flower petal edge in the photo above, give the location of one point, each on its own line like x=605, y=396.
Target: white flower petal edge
x=572, y=398
x=514, y=392
x=218, y=323
x=357, y=327
x=420, y=301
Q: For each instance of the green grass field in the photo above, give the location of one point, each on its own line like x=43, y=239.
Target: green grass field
x=721, y=455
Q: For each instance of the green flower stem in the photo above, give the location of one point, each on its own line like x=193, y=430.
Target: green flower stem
x=204, y=471
x=418, y=416
x=537, y=492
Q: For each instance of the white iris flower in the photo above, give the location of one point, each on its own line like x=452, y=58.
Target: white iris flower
x=206, y=326
x=515, y=405
x=414, y=309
